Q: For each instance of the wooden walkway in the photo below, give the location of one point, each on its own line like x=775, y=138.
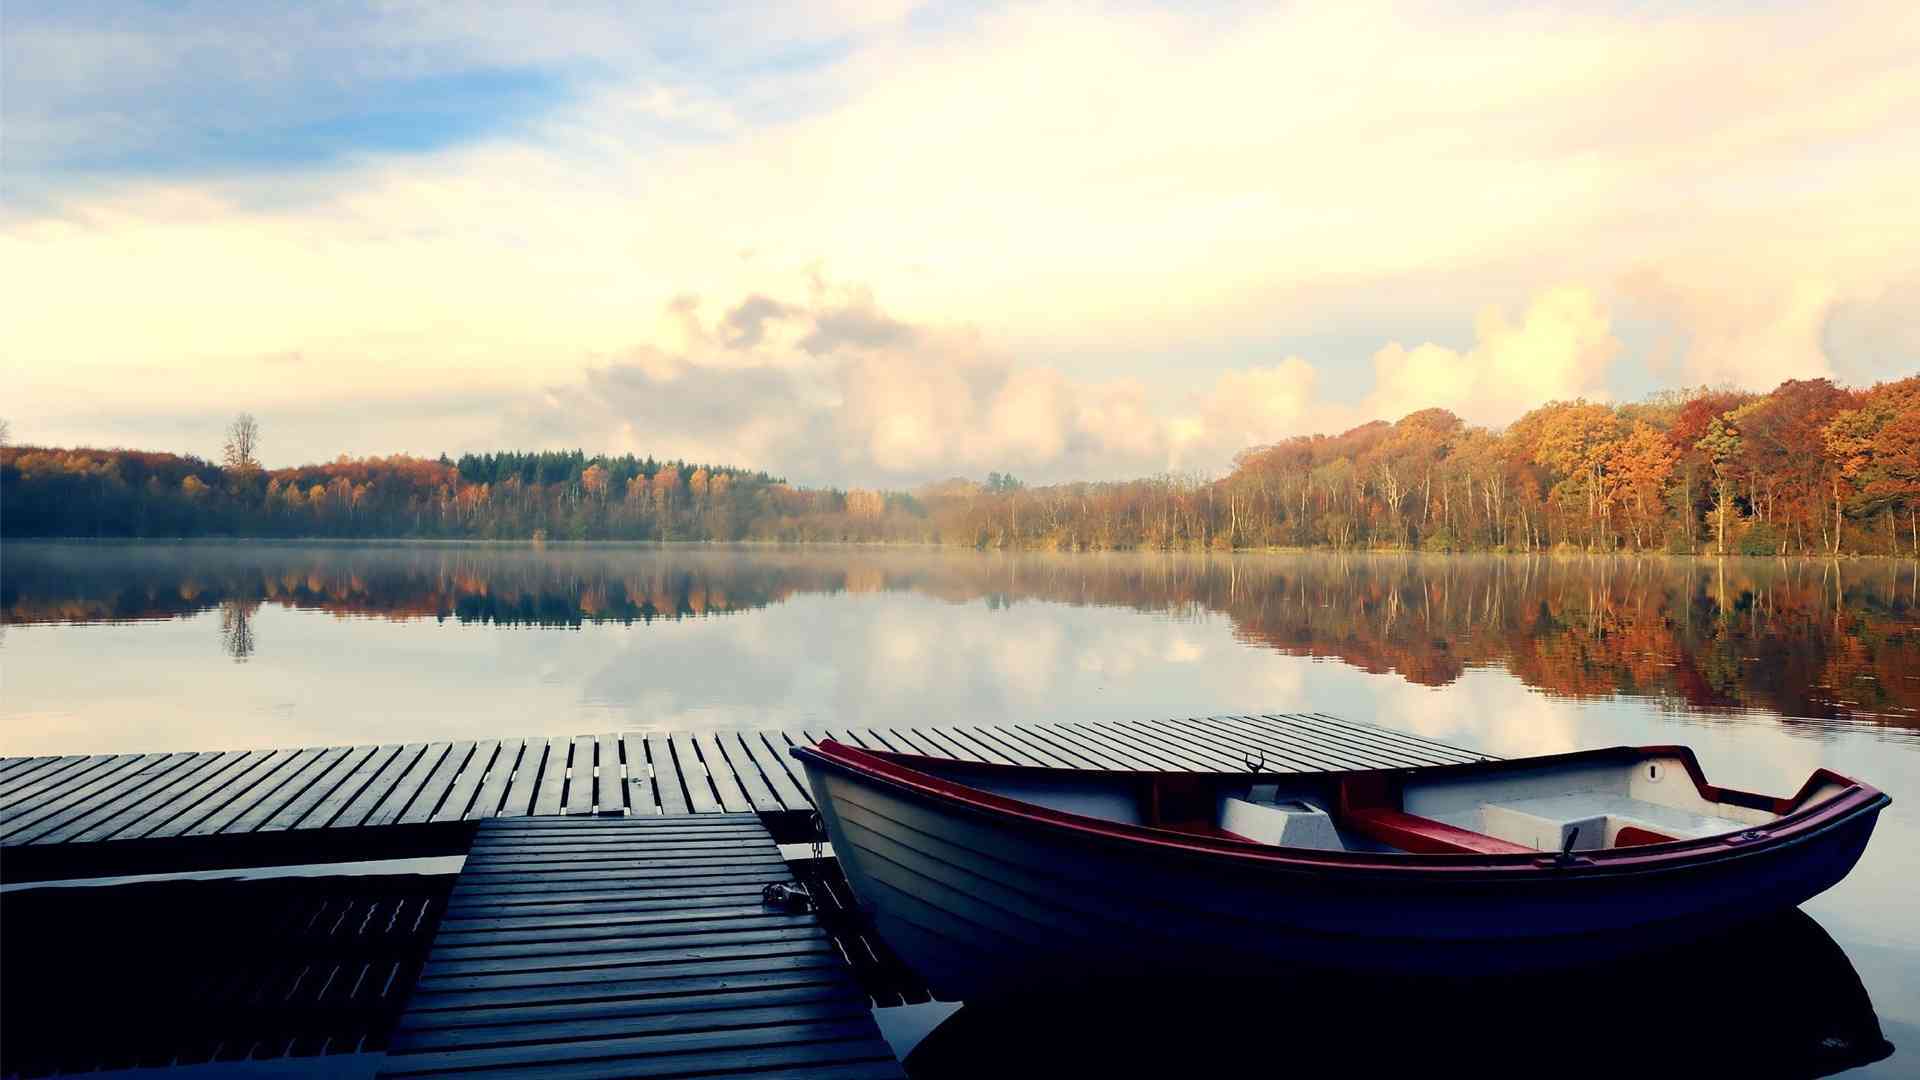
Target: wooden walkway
x=82, y=799
x=632, y=947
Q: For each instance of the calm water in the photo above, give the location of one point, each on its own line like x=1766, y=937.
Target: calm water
x=1768, y=669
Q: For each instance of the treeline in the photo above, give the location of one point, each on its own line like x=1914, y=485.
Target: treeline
x=1810, y=468
x=564, y=495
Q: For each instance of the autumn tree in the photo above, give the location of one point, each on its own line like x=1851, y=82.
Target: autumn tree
x=1574, y=440
x=1877, y=450
x=1722, y=445
x=1693, y=474
x=593, y=480
x=1783, y=460
x=1642, y=464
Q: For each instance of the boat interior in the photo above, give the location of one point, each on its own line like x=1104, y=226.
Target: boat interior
x=1582, y=804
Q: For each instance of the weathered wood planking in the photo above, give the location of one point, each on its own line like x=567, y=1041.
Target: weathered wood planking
x=636, y=946
x=77, y=798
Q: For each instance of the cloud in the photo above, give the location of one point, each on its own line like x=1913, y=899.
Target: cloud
x=855, y=323
x=1560, y=349
x=1248, y=408
x=802, y=395
x=1875, y=336
x=1750, y=337
x=746, y=325
x=843, y=392
x=1259, y=183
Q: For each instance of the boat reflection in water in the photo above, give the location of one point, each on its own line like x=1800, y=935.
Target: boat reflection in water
x=1774, y=998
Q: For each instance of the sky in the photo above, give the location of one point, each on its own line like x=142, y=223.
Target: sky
x=884, y=244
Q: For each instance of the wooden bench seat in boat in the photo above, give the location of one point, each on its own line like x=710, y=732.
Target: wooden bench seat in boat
x=1425, y=836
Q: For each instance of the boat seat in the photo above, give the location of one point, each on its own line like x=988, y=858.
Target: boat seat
x=1604, y=821
x=1288, y=823
x=1425, y=836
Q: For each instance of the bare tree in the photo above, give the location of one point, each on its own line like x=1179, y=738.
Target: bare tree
x=236, y=628
x=243, y=439
x=6, y=431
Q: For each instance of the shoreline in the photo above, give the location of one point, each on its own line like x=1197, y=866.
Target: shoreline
x=435, y=541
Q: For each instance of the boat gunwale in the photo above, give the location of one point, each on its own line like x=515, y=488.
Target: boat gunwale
x=1798, y=823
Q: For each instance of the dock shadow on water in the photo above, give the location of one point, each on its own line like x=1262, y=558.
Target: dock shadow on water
x=1777, y=998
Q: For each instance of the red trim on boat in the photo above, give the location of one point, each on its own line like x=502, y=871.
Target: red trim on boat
x=1635, y=836
x=1425, y=836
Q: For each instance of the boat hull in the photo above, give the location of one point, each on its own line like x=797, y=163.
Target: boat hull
x=981, y=904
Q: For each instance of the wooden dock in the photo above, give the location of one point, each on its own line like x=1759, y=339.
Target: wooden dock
x=632, y=947
x=84, y=800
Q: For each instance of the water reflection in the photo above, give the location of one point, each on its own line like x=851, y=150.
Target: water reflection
x=236, y=628
x=1793, y=638
x=1778, y=998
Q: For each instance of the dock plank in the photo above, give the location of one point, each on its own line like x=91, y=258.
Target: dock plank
x=492, y=793
x=640, y=796
x=465, y=788
x=609, y=786
x=1184, y=754
x=1048, y=756
x=1105, y=756
x=1386, y=737
x=66, y=799
x=53, y=771
x=726, y=782
x=109, y=819
x=230, y=799
x=90, y=798
x=130, y=791
x=594, y=986
x=295, y=785
x=1251, y=746
x=700, y=791
x=752, y=778
x=357, y=804
x=1108, y=735
x=142, y=820
x=408, y=787
x=8, y=766
x=579, y=798
x=525, y=783
x=309, y=802
x=666, y=777
x=29, y=797
x=438, y=784
x=945, y=746
x=547, y=798
x=781, y=747
x=238, y=802
x=909, y=741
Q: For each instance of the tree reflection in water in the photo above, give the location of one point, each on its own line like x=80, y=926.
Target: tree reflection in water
x=236, y=628
x=1797, y=638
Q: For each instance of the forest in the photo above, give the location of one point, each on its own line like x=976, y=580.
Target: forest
x=1810, y=468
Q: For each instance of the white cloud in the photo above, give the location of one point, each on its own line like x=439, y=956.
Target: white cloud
x=1560, y=349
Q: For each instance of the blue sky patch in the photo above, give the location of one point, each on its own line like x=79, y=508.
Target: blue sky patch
x=314, y=125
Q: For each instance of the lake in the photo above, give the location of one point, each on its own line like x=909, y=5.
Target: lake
x=1768, y=668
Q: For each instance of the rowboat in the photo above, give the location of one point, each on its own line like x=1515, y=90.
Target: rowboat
x=989, y=879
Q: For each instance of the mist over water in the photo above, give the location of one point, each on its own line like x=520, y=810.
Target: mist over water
x=1768, y=668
